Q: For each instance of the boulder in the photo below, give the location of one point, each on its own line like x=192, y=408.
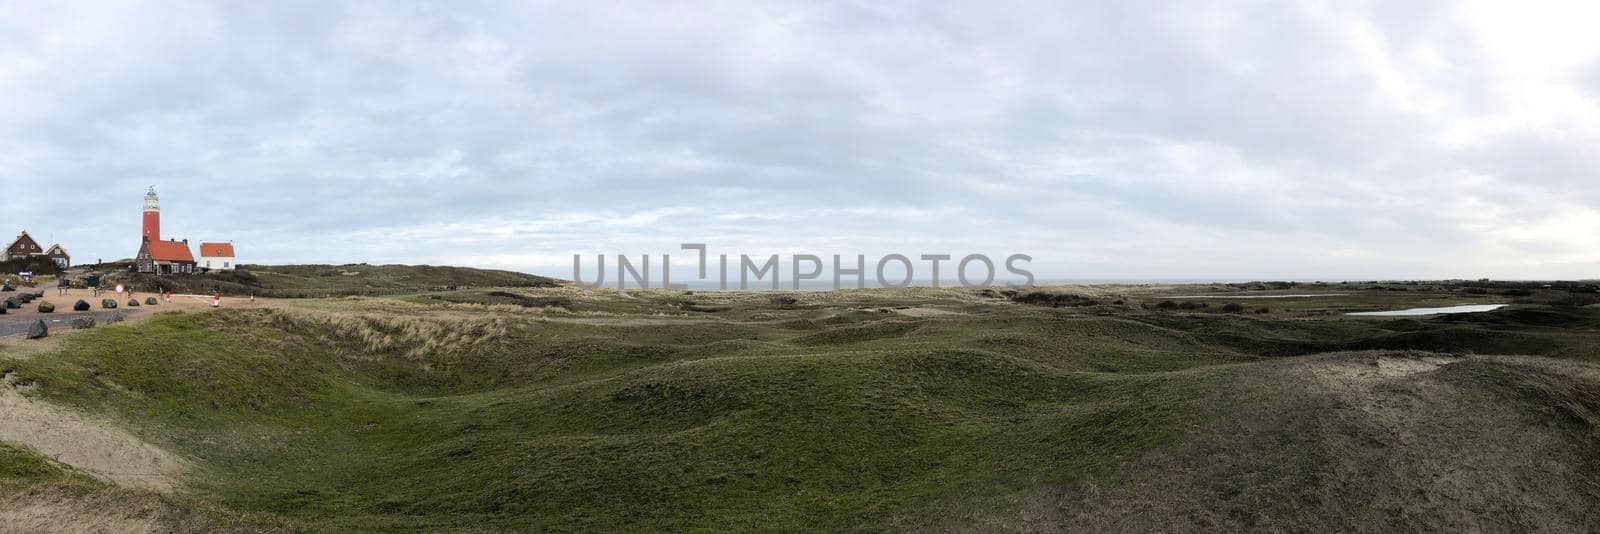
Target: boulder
x=46, y=307
x=82, y=323
x=7, y=287
x=2, y=309
x=108, y=304
x=38, y=294
x=82, y=305
x=117, y=318
x=133, y=303
x=151, y=301
x=13, y=303
x=38, y=330
x=23, y=298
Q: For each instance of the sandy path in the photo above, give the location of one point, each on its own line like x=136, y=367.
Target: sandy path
x=93, y=446
x=15, y=322
x=64, y=302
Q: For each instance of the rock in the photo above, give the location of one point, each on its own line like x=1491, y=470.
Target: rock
x=108, y=304
x=38, y=294
x=23, y=298
x=151, y=301
x=114, y=319
x=81, y=306
x=46, y=307
x=133, y=303
x=2, y=309
x=12, y=303
x=8, y=287
x=82, y=323
x=38, y=330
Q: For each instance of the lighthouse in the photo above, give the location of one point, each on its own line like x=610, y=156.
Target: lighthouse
x=152, y=216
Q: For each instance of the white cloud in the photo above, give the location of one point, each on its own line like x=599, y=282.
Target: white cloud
x=1179, y=139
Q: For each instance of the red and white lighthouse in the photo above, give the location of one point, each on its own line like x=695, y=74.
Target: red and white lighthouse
x=152, y=216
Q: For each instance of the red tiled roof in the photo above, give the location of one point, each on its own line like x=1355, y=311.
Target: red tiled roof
x=216, y=250
x=170, y=251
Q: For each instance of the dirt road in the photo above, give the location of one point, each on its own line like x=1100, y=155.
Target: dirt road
x=16, y=322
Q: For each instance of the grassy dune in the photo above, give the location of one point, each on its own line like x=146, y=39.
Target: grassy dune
x=653, y=410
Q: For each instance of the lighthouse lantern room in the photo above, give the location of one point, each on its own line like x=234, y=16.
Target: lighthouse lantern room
x=152, y=216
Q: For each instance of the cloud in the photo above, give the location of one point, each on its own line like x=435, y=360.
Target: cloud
x=1148, y=139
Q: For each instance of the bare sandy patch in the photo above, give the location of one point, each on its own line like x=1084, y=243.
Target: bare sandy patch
x=1376, y=366
x=1362, y=441
x=926, y=312
x=89, y=445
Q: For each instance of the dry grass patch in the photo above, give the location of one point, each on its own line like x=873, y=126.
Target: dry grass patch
x=55, y=510
x=414, y=336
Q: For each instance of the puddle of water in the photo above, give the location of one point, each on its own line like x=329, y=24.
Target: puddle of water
x=1471, y=308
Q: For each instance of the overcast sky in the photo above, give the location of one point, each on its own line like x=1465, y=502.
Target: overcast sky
x=1126, y=139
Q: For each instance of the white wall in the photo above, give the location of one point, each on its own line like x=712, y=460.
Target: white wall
x=218, y=263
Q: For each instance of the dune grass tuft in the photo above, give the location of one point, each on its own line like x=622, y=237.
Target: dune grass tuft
x=412, y=336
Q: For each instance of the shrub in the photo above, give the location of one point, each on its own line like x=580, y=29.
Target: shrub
x=527, y=301
x=1233, y=307
x=1054, y=300
x=36, y=265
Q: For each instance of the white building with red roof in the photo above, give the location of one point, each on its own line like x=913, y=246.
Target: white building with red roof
x=217, y=256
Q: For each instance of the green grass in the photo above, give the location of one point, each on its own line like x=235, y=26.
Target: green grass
x=661, y=439
x=822, y=414
x=23, y=470
x=18, y=463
